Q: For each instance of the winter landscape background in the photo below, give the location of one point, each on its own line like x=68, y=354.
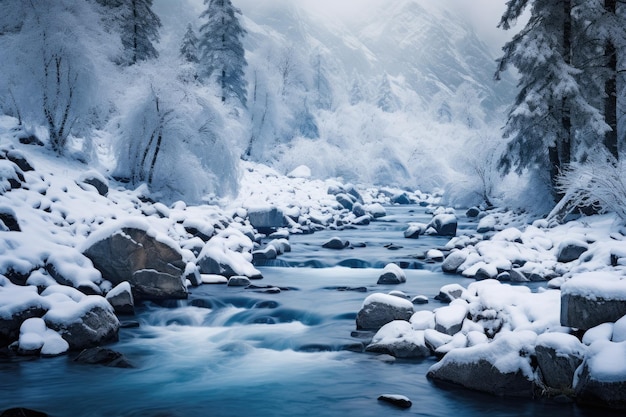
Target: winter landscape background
x=431, y=193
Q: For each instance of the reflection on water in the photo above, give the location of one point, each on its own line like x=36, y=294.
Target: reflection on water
x=235, y=352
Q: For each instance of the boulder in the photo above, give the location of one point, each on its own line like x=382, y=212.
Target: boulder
x=449, y=319
x=401, y=199
x=558, y=357
x=592, y=298
x=570, y=250
x=11, y=176
x=266, y=219
x=435, y=255
x=121, y=299
x=9, y=219
x=399, y=401
x=362, y=221
x=18, y=304
x=472, y=212
x=398, y=339
x=486, y=224
x=96, y=180
x=103, y=356
x=238, y=281
x=265, y=254
x=444, y=224
x=414, y=231
x=215, y=260
x=449, y=292
x=345, y=200
x=392, y=275
x=86, y=323
x=380, y=309
x=20, y=160
x=453, y=261
x=502, y=367
x=376, y=210
x=153, y=268
x=358, y=210
x=336, y=243
x=602, y=376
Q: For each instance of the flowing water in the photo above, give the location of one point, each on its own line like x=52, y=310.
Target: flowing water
x=242, y=352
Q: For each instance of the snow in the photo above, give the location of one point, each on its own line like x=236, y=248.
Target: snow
x=398, y=330
x=602, y=363
x=422, y=320
x=301, y=171
x=602, y=331
x=607, y=285
x=69, y=311
x=397, y=302
x=563, y=344
x=619, y=330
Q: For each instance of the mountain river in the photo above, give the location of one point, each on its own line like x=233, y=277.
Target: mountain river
x=239, y=352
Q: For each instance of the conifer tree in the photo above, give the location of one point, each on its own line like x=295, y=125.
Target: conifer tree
x=189, y=46
x=385, y=99
x=550, y=103
x=138, y=26
x=222, y=56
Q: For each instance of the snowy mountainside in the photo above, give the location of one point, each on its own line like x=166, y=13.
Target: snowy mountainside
x=377, y=97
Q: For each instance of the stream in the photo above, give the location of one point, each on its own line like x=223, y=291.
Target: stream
x=229, y=351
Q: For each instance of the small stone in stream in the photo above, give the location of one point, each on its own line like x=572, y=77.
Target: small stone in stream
x=398, y=400
x=102, y=356
x=238, y=281
x=420, y=299
x=400, y=294
x=393, y=246
x=336, y=243
x=359, y=245
x=22, y=412
x=472, y=212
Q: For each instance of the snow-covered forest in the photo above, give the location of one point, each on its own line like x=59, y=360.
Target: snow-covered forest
x=150, y=149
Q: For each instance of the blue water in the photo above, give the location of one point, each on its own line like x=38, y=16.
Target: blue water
x=236, y=352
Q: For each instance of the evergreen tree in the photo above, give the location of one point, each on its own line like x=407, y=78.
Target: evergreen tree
x=356, y=92
x=386, y=100
x=138, y=26
x=540, y=124
x=222, y=56
x=189, y=46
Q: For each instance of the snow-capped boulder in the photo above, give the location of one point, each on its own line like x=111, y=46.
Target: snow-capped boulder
x=449, y=319
x=593, y=298
x=266, y=218
x=37, y=339
x=453, y=261
x=434, y=339
x=301, y=171
x=69, y=267
x=392, y=274
x=265, y=254
x=398, y=339
x=444, y=224
x=18, y=158
x=435, y=255
x=502, y=367
x=399, y=401
x=449, y=292
x=11, y=176
x=472, y=212
x=345, y=200
x=8, y=219
x=121, y=299
x=96, y=180
x=376, y=210
x=570, y=250
x=558, y=357
x=17, y=304
x=358, y=210
x=88, y=322
x=238, y=281
x=401, y=199
x=152, y=264
x=601, y=380
x=486, y=224
x=414, y=230
x=336, y=243
x=380, y=309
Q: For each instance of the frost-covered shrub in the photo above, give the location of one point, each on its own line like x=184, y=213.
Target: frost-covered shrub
x=177, y=142
x=600, y=183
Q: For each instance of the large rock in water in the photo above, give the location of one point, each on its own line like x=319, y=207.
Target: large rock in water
x=444, y=224
x=380, y=309
x=266, y=219
x=89, y=322
x=502, y=367
x=592, y=298
x=602, y=379
x=153, y=268
x=558, y=357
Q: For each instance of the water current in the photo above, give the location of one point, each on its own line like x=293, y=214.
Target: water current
x=241, y=352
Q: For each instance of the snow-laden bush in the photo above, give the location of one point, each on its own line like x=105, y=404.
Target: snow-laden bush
x=600, y=183
x=173, y=138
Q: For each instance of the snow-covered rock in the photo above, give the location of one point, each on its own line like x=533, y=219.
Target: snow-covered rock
x=593, y=298
x=238, y=281
x=570, y=250
x=301, y=171
x=392, y=274
x=449, y=319
x=8, y=220
x=88, y=322
x=502, y=367
x=444, y=224
x=336, y=243
x=400, y=401
x=601, y=379
x=453, y=261
x=96, y=180
x=380, y=309
x=17, y=304
x=400, y=340
x=151, y=263
x=558, y=357
x=121, y=298
x=449, y=292
x=266, y=218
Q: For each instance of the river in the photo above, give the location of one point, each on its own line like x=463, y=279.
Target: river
x=231, y=351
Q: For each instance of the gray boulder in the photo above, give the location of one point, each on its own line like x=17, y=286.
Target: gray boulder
x=97, y=181
x=87, y=323
x=153, y=268
x=571, y=250
x=238, y=281
x=392, y=274
x=400, y=340
x=380, y=309
x=585, y=311
x=104, y=357
x=444, y=224
x=265, y=254
x=599, y=384
x=9, y=219
x=402, y=199
x=558, y=357
x=336, y=243
x=266, y=218
x=345, y=200
x=121, y=299
x=453, y=261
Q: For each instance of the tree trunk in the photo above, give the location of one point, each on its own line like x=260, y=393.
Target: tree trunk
x=610, y=88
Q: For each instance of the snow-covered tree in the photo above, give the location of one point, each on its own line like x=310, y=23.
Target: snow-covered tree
x=50, y=60
x=541, y=123
x=357, y=94
x=189, y=46
x=222, y=56
x=138, y=27
x=386, y=99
